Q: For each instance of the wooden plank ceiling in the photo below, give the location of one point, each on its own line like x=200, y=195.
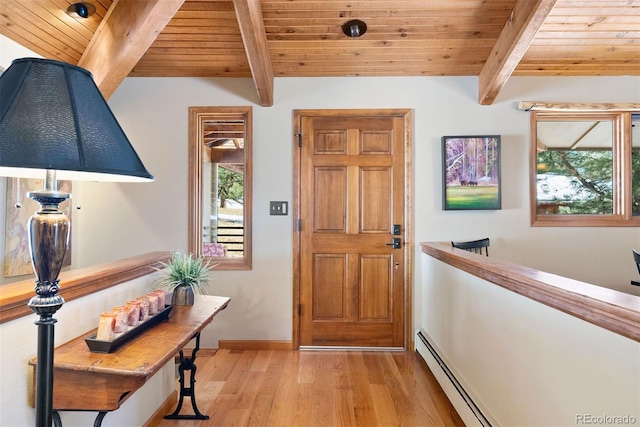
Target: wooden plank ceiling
x=491, y=39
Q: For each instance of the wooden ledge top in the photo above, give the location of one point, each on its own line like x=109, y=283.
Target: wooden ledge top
x=610, y=309
x=78, y=283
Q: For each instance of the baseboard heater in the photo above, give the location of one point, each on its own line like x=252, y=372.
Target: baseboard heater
x=454, y=381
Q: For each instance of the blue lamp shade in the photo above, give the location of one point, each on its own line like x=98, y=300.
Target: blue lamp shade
x=53, y=117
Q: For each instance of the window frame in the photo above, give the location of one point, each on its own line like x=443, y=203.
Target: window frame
x=622, y=174
x=197, y=117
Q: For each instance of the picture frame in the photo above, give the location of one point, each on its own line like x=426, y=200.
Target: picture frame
x=471, y=172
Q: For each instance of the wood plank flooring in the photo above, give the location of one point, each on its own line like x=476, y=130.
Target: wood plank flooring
x=317, y=388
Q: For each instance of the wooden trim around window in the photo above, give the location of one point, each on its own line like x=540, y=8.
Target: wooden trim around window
x=74, y=284
x=621, y=146
x=568, y=107
x=197, y=117
x=610, y=309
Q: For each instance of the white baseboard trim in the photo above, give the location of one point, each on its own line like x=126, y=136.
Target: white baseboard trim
x=458, y=396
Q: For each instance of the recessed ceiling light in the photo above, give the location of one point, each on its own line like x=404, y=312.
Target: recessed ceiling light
x=81, y=10
x=354, y=28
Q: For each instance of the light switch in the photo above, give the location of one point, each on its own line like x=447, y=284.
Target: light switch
x=279, y=208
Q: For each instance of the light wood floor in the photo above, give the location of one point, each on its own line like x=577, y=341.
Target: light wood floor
x=317, y=388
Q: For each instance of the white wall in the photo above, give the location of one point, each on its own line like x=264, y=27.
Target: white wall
x=145, y=217
x=524, y=363
x=18, y=344
x=120, y=220
x=10, y=50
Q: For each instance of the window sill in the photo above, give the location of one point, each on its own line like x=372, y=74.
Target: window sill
x=584, y=221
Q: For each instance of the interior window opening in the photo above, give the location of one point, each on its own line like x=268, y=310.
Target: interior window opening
x=575, y=167
x=223, y=176
x=585, y=169
x=220, y=185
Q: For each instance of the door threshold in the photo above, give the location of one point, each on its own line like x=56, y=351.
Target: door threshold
x=348, y=348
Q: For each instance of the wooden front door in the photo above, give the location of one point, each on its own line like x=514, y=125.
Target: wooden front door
x=351, y=196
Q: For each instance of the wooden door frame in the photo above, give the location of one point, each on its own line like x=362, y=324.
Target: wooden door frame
x=408, y=246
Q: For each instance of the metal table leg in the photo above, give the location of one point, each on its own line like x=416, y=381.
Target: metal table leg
x=57, y=421
x=188, y=364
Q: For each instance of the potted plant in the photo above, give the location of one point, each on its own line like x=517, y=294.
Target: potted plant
x=185, y=276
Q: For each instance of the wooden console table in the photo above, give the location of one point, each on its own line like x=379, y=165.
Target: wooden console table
x=86, y=381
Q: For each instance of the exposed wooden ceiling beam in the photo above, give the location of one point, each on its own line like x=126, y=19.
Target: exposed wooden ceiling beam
x=249, y=15
x=124, y=35
x=526, y=19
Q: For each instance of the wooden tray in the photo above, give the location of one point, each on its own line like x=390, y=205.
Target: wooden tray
x=99, y=346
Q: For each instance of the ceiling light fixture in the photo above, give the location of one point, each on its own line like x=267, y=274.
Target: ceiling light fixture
x=81, y=10
x=354, y=28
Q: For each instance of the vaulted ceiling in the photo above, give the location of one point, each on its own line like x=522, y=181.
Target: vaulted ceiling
x=263, y=39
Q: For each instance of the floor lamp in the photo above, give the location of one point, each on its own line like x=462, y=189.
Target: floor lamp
x=55, y=124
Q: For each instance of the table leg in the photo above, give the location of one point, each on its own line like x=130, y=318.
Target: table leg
x=99, y=418
x=188, y=364
x=57, y=421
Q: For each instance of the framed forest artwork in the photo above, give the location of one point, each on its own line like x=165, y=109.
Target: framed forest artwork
x=17, y=259
x=471, y=172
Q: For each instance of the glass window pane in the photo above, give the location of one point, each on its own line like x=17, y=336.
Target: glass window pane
x=229, y=208
x=574, y=167
x=223, y=179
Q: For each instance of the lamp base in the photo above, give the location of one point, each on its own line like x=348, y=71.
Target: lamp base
x=48, y=239
x=46, y=303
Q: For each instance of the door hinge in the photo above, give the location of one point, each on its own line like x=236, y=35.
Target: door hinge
x=299, y=135
x=299, y=224
x=299, y=309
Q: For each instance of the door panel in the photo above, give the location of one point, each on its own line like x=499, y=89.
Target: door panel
x=351, y=181
x=375, y=203
x=329, y=286
x=329, y=204
x=376, y=283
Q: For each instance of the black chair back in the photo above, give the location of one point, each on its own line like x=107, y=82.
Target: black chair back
x=477, y=246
